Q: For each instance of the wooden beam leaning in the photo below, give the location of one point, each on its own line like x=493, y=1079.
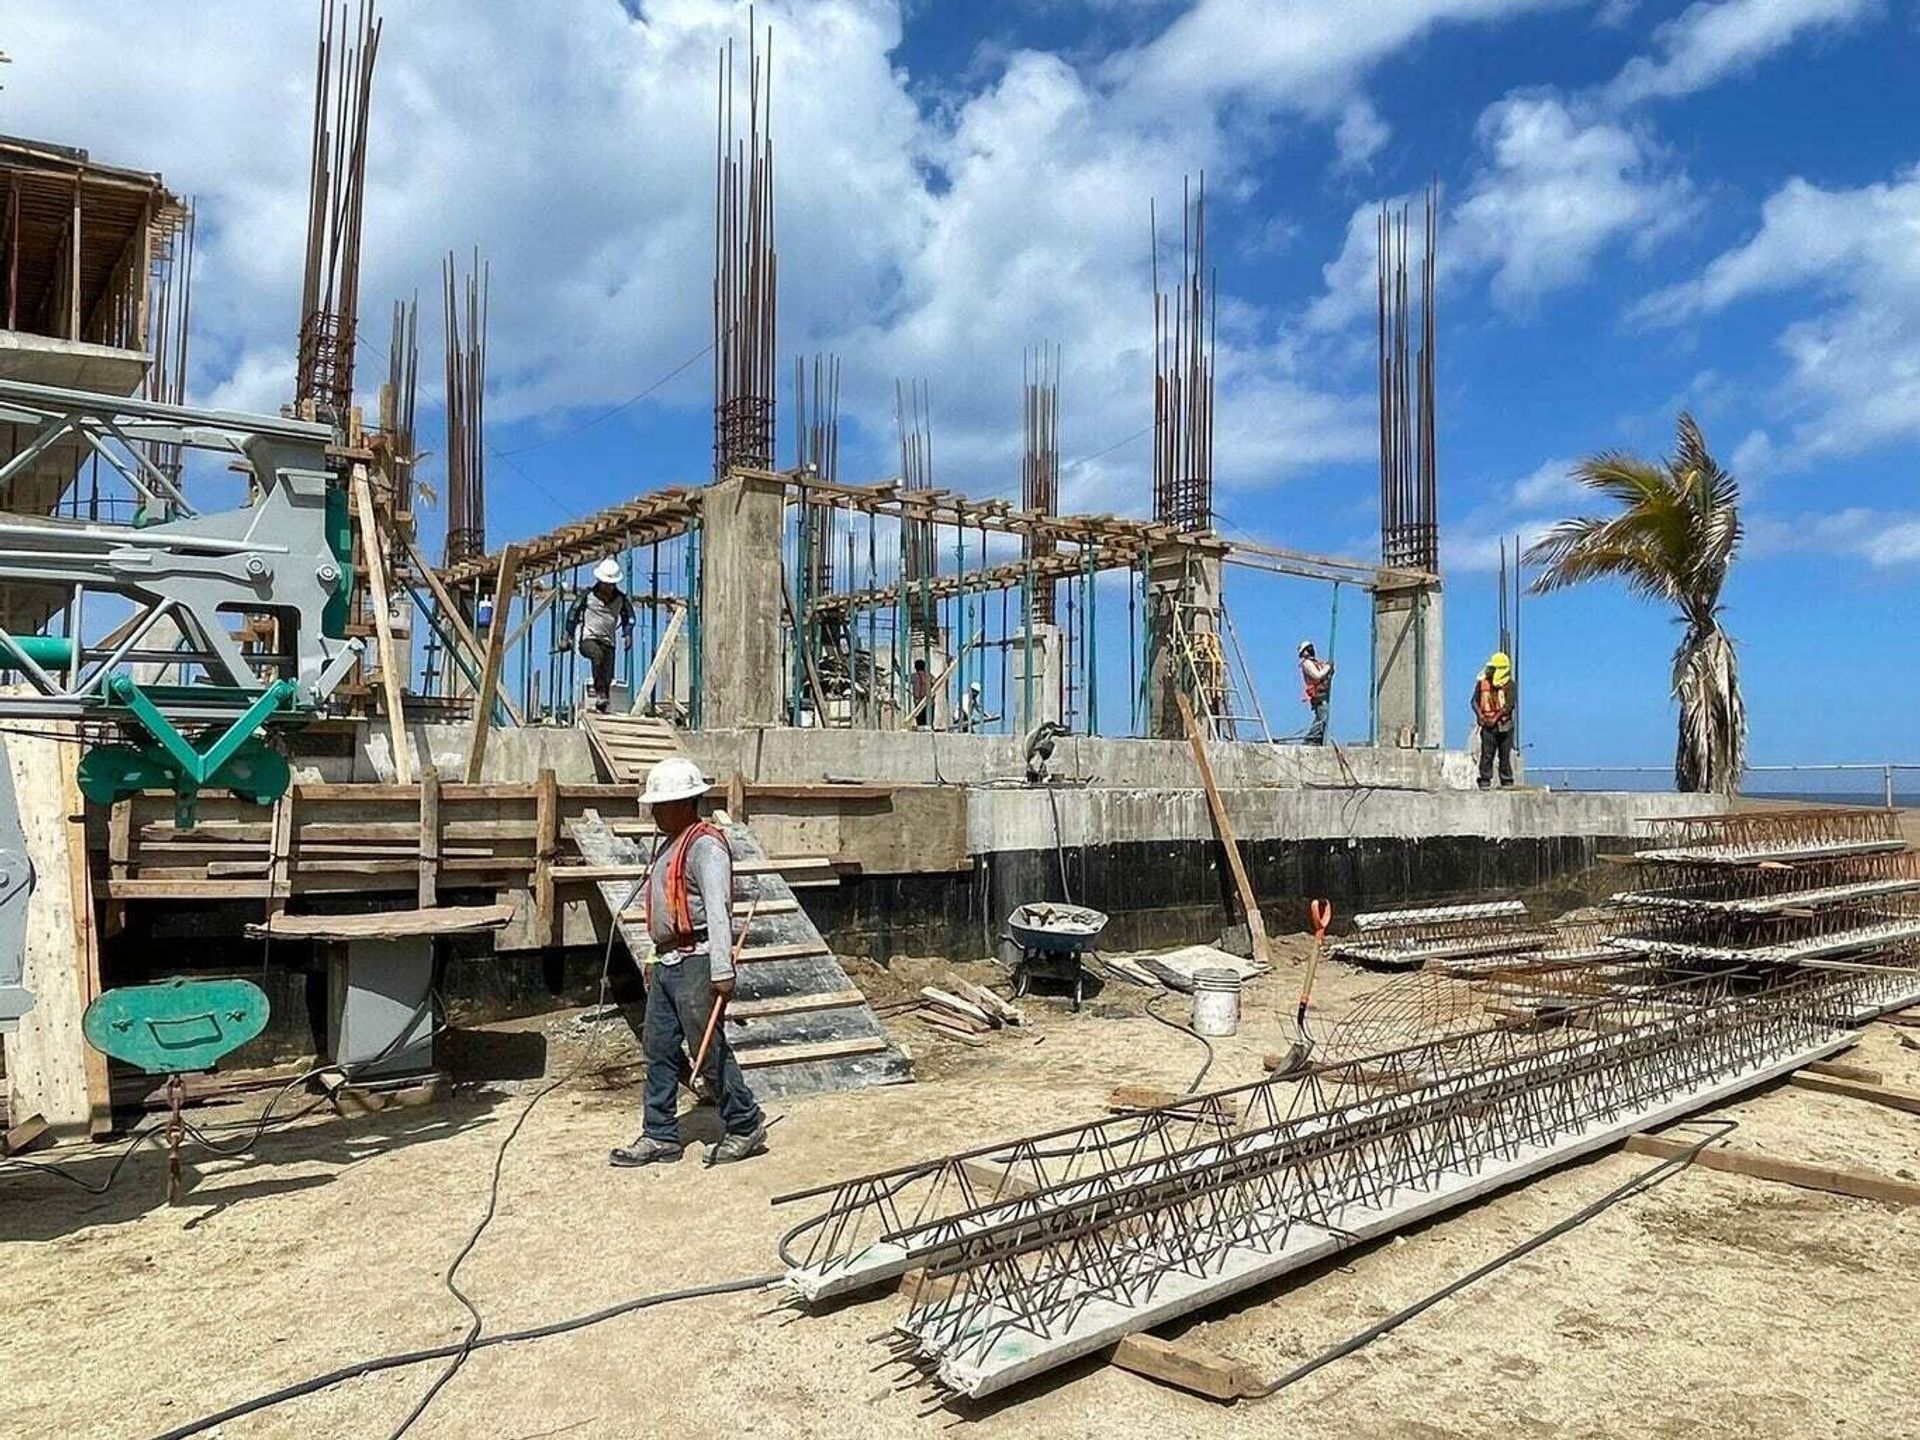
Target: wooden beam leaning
x=496, y=655
x=375, y=551
x=1256, y=925
x=456, y=623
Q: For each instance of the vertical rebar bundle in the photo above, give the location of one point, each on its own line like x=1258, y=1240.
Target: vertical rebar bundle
x=1409, y=491
x=913, y=414
x=1184, y=322
x=403, y=384
x=1040, y=462
x=336, y=199
x=745, y=268
x=171, y=291
x=816, y=436
x=466, y=360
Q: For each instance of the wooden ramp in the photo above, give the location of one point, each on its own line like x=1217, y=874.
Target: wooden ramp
x=626, y=746
x=804, y=1026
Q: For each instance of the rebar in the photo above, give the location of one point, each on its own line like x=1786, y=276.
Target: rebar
x=745, y=266
x=466, y=379
x=336, y=202
x=1184, y=323
x=1040, y=465
x=1409, y=484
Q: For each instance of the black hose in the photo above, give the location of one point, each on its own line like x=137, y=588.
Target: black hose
x=1645, y=1180
x=442, y=1352
x=1184, y=1030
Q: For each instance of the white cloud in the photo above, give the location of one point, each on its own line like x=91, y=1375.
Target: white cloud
x=1853, y=376
x=1709, y=42
x=1359, y=136
x=1555, y=191
x=1885, y=540
x=1552, y=483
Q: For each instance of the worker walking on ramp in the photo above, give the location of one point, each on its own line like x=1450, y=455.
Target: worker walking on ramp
x=1316, y=678
x=593, y=617
x=1494, y=698
x=690, y=920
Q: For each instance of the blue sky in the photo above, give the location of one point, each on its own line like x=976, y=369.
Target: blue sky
x=1645, y=206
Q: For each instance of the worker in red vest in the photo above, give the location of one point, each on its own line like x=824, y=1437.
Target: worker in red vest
x=690, y=920
x=1494, y=698
x=1316, y=678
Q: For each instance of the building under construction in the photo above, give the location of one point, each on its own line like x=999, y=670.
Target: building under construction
x=352, y=762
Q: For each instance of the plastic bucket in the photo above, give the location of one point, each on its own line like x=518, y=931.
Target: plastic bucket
x=1216, y=1002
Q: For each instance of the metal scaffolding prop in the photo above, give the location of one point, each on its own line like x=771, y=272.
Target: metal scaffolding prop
x=1184, y=319
x=745, y=267
x=1038, y=1250
x=1409, y=490
x=336, y=200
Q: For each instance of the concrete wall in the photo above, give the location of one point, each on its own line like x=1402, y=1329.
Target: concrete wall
x=512, y=754
x=1409, y=670
x=779, y=755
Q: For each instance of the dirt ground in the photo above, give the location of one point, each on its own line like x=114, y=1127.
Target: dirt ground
x=1712, y=1306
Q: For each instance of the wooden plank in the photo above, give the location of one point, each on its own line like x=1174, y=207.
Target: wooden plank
x=546, y=824
x=45, y=1056
x=1256, y=924
x=661, y=655
x=794, y=1004
x=456, y=622
x=496, y=655
x=376, y=567
x=386, y=924
x=951, y=1031
x=1877, y=1094
x=1186, y=1367
x=119, y=859
x=285, y=836
x=783, y=952
x=964, y=1008
x=818, y=1050
x=427, y=889
x=30, y=1132
x=1841, y=1071
x=1859, y=1184
x=1907, y=1018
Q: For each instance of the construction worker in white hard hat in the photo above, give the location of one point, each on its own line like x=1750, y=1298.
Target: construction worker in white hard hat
x=591, y=622
x=690, y=920
x=973, y=711
x=1316, y=678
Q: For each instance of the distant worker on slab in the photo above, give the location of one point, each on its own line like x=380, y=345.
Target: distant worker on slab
x=973, y=711
x=1316, y=676
x=1494, y=698
x=690, y=920
x=922, y=687
x=592, y=619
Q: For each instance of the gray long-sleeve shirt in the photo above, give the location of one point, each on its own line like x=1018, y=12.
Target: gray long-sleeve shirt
x=595, y=617
x=709, y=905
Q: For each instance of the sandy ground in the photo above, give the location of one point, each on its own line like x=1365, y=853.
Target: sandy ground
x=1712, y=1306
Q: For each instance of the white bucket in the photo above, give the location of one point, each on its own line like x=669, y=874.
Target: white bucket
x=1216, y=1002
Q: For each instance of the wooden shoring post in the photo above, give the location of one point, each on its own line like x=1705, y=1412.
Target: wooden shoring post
x=496, y=652
x=376, y=562
x=1256, y=925
x=119, y=861
x=86, y=948
x=280, y=860
x=662, y=651
x=456, y=623
x=546, y=824
x=429, y=883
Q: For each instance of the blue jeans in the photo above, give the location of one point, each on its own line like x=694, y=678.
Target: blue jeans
x=1317, y=731
x=679, y=998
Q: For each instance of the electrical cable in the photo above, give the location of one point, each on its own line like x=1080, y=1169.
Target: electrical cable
x=1184, y=1030
x=1645, y=1180
x=440, y=1352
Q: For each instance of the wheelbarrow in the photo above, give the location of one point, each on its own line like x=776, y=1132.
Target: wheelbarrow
x=1051, y=938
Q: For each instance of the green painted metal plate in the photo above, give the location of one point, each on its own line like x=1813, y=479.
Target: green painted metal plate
x=175, y=1026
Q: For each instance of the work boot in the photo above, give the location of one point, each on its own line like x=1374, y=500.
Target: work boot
x=645, y=1151
x=739, y=1147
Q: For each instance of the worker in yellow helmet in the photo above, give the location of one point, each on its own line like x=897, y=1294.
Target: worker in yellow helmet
x=1494, y=698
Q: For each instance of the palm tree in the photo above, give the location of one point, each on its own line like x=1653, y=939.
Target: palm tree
x=1676, y=532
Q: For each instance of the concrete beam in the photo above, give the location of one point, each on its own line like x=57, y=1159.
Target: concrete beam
x=741, y=667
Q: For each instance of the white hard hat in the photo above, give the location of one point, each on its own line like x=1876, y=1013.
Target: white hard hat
x=607, y=572
x=974, y=687
x=674, y=778
x=1305, y=646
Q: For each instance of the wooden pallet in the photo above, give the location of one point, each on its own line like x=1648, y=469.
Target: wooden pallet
x=805, y=1026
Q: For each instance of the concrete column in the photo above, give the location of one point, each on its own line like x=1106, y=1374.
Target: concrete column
x=742, y=678
x=1409, y=671
x=1183, y=590
x=1047, y=688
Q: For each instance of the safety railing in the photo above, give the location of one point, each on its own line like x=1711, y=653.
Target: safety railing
x=1885, y=782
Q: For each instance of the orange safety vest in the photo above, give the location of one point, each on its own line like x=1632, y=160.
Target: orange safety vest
x=1316, y=690
x=679, y=909
x=1490, y=702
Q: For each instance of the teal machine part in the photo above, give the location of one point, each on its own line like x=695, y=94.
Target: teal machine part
x=171, y=1028
x=230, y=758
x=174, y=1027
